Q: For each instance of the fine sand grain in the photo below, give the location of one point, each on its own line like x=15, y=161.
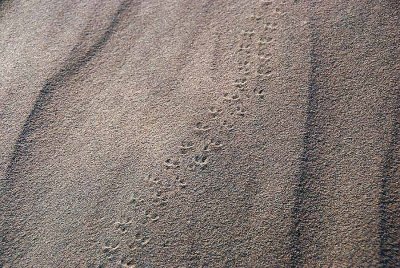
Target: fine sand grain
x=194, y=133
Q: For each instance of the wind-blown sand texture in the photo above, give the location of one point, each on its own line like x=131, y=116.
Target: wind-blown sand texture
x=194, y=133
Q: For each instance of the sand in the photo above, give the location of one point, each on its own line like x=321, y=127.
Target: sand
x=188, y=133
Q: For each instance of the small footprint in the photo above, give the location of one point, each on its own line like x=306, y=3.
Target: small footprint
x=181, y=182
x=200, y=127
x=240, y=110
x=128, y=263
x=259, y=92
x=110, y=250
x=266, y=3
x=228, y=125
x=248, y=33
x=153, y=179
x=160, y=198
x=212, y=144
x=142, y=239
x=171, y=163
x=201, y=161
x=240, y=83
x=186, y=146
x=215, y=112
x=123, y=225
x=228, y=97
x=152, y=216
x=244, y=47
x=134, y=200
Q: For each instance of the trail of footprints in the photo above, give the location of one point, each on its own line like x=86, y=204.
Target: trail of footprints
x=254, y=54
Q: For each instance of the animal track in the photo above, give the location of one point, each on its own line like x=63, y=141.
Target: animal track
x=180, y=181
x=186, y=146
x=215, y=112
x=201, y=161
x=201, y=127
x=142, y=239
x=151, y=216
x=230, y=97
x=127, y=263
x=160, y=198
x=254, y=60
x=240, y=110
x=110, y=251
x=212, y=144
x=240, y=83
x=228, y=125
x=123, y=225
x=171, y=163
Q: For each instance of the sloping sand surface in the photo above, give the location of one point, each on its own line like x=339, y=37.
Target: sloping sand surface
x=188, y=133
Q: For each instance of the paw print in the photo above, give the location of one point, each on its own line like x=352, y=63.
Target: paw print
x=263, y=73
x=264, y=59
x=215, y=143
x=255, y=17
